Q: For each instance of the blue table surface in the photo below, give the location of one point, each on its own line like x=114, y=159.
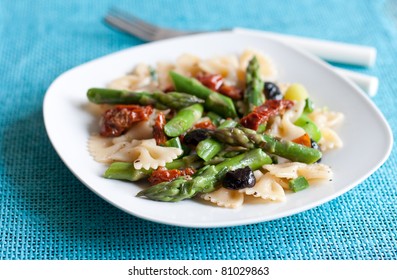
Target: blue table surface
x=46, y=213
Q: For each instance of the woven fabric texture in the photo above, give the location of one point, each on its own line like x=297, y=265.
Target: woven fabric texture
x=46, y=213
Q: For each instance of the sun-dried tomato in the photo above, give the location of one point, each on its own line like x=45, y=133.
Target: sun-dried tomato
x=261, y=114
x=231, y=91
x=117, y=120
x=169, y=89
x=211, y=81
x=158, y=129
x=216, y=83
x=164, y=175
x=205, y=124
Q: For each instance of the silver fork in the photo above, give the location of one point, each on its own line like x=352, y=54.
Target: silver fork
x=327, y=50
x=135, y=26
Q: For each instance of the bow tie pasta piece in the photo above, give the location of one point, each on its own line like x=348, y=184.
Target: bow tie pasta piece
x=267, y=68
x=326, y=121
x=289, y=130
x=187, y=65
x=146, y=154
x=109, y=149
x=102, y=149
x=268, y=187
x=325, y=118
x=225, y=198
x=292, y=170
x=330, y=139
x=139, y=79
x=163, y=69
x=316, y=172
x=275, y=128
x=226, y=66
x=138, y=131
x=284, y=126
x=143, y=153
x=127, y=82
x=287, y=170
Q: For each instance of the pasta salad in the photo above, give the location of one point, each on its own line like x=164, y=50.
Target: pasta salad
x=222, y=130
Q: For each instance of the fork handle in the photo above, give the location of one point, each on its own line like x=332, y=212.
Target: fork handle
x=327, y=50
x=367, y=83
x=331, y=51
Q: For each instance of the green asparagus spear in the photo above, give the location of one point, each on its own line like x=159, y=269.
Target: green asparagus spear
x=113, y=96
x=309, y=106
x=214, y=101
x=183, y=120
x=188, y=161
x=174, y=142
x=298, y=184
x=126, y=170
x=208, y=148
x=174, y=100
x=215, y=118
x=249, y=138
x=190, y=85
x=206, y=180
x=309, y=126
x=228, y=123
x=253, y=95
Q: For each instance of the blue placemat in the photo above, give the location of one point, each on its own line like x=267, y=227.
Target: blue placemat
x=46, y=213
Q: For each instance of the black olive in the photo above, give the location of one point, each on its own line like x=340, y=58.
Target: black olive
x=239, y=179
x=272, y=91
x=195, y=136
x=315, y=146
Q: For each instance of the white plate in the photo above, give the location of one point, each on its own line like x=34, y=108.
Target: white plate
x=366, y=134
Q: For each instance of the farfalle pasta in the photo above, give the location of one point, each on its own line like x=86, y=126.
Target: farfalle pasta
x=187, y=64
x=268, y=187
x=225, y=198
x=292, y=170
x=284, y=127
x=226, y=66
x=221, y=129
x=147, y=155
x=327, y=121
x=110, y=149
